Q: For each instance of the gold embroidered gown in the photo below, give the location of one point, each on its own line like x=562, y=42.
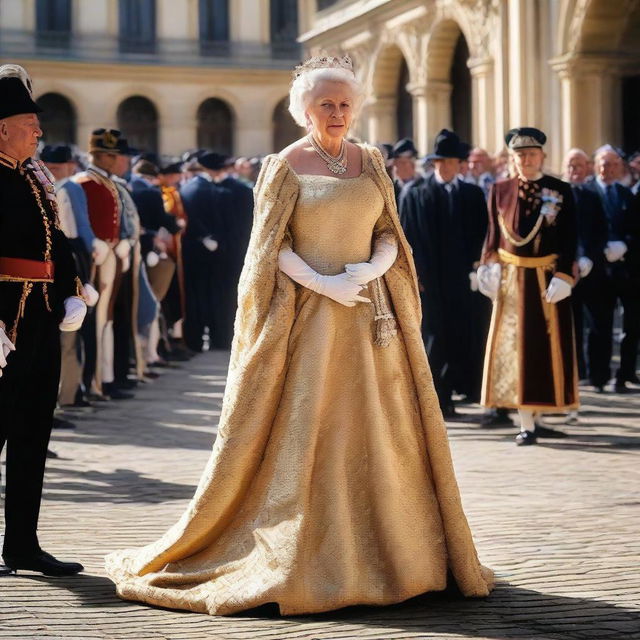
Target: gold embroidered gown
x=333, y=499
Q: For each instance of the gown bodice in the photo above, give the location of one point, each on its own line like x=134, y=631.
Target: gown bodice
x=334, y=220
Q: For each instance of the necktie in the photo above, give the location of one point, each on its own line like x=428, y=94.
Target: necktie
x=611, y=197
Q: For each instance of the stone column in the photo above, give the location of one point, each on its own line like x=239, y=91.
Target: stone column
x=381, y=113
x=483, y=109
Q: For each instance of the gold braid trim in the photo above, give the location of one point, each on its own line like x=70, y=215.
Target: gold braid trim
x=26, y=290
x=47, y=232
x=512, y=239
x=386, y=325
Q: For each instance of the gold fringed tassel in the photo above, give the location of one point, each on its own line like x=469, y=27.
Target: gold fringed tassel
x=26, y=290
x=386, y=325
x=45, y=293
x=79, y=288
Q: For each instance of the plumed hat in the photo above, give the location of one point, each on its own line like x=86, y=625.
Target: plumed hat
x=124, y=148
x=105, y=140
x=15, y=98
x=56, y=154
x=212, y=160
x=405, y=148
x=447, y=145
x=523, y=137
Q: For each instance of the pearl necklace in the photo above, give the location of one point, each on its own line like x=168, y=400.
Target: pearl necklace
x=336, y=164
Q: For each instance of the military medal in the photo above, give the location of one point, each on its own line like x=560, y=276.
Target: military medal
x=336, y=164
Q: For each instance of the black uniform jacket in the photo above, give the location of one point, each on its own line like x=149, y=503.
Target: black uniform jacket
x=29, y=230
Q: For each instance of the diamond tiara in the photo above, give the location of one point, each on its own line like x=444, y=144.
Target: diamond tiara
x=323, y=62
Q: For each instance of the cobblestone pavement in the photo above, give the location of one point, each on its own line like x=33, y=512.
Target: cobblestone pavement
x=558, y=522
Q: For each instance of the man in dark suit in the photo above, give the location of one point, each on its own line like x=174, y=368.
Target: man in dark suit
x=445, y=221
x=204, y=248
x=403, y=157
x=622, y=252
x=590, y=297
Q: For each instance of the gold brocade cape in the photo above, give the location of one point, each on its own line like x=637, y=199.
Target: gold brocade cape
x=256, y=377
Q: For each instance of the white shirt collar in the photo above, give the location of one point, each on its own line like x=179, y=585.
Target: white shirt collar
x=102, y=172
x=439, y=180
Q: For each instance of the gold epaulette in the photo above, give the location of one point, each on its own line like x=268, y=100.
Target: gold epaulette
x=8, y=161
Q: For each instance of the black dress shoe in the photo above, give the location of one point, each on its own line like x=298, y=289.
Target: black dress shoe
x=111, y=391
x=6, y=571
x=42, y=562
x=545, y=432
x=525, y=438
x=52, y=455
x=58, y=423
x=633, y=379
x=126, y=384
x=621, y=387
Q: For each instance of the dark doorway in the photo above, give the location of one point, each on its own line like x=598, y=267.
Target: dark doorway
x=58, y=120
x=215, y=126
x=285, y=130
x=461, y=91
x=138, y=121
x=630, y=111
x=404, y=108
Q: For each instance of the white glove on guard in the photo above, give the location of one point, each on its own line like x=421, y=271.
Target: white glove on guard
x=6, y=347
x=210, y=243
x=123, y=249
x=90, y=295
x=615, y=250
x=473, y=281
x=74, y=312
x=100, y=251
x=489, y=276
x=340, y=288
x=152, y=259
x=584, y=266
x=557, y=290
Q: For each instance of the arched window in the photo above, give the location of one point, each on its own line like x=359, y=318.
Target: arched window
x=214, y=26
x=137, y=23
x=58, y=120
x=215, y=126
x=53, y=23
x=285, y=129
x=404, y=106
x=284, y=27
x=138, y=121
x=461, y=90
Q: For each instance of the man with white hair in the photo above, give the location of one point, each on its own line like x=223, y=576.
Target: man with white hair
x=480, y=170
x=40, y=294
x=622, y=252
x=589, y=294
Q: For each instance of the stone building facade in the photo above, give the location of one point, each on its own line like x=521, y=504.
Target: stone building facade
x=569, y=67
x=172, y=74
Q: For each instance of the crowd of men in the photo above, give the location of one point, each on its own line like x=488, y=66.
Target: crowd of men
x=442, y=201
x=159, y=248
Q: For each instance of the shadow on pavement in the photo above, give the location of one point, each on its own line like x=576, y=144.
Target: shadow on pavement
x=510, y=611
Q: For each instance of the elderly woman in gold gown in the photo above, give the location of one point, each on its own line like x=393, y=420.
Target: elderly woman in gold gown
x=330, y=482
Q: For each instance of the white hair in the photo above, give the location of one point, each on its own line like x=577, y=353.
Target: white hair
x=305, y=83
x=16, y=71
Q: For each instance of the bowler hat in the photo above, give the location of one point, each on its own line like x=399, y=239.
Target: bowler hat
x=447, y=145
x=174, y=167
x=524, y=137
x=56, y=154
x=405, y=148
x=212, y=160
x=15, y=98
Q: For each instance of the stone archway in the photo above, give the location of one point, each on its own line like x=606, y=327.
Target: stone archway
x=598, y=62
x=285, y=130
x=390, y=107
x=215, y=126
x=138, y=120
x=58, y=119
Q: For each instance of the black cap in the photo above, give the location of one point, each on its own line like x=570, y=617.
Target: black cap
x=174, y=167
x=525, y=137
x=56, y=154
x=448, y=145
x=104, y=140
x=125, y=150
x=15, y=98
x=465, y=150
x=404, y=147
x=212, y=160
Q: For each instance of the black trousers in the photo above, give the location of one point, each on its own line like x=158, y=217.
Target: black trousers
x=122, y=328
x=28, y=391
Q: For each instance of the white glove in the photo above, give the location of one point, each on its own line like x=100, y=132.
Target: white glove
x=152, y=259
x=123, y=249
x=340, y=288
x=489, y=276
x=74, y=312
x=126, y=264
x=473, y=281
x=100, y=251
x=7, y=346
x=557, y=290
x=383, y=257
x=614, y=250
x=90, y=295
x=584, y=266
x=210, y=243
